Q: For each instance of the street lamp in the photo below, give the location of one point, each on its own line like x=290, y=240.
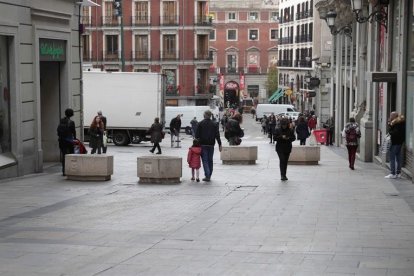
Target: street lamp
x=330, y=20
x=379, y=14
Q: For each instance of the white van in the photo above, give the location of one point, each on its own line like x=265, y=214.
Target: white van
x=187, y=114
x=267, y=109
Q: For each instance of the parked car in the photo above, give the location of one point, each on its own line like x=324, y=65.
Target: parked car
x=291, y=114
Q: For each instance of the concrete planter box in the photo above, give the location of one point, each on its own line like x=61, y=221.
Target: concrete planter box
x=159, y=169
x=89, y=167
x=239, y=155
x=305, y=155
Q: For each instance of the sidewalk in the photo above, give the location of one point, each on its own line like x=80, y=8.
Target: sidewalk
x=326, y=220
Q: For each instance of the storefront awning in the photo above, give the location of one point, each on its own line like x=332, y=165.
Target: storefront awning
x=382, y=76
x=276, y=95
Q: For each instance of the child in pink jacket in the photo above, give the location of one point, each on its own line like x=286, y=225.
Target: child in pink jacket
x=194, y=159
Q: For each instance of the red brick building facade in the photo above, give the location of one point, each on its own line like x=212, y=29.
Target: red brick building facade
x=159, y=36
x=243, y=45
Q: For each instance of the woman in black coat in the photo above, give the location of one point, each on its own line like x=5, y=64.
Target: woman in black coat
x=284, y=136
x=302, y=130
x=156, y=135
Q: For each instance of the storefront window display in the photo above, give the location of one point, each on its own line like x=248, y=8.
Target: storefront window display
x=5, y=144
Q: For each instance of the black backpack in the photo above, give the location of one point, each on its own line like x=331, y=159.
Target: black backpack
x=351, y=135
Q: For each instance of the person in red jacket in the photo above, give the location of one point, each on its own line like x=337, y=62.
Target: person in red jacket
x=312, y=123
x=194, y=159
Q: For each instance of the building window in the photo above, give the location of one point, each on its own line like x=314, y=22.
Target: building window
x=86, y=54
x=141, y=12
x=253, y=34
x=212, y=35
x=231, y=63
x=111, y=45
x=169, y=13
x=231, y=16
x=141, y=46
x=253, y=16
x=168, y=46
x=274, y=34
x=5, y=140
x=274, y=16
x=231, y=35
x=171, y=81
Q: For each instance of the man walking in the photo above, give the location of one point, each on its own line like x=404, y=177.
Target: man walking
x=207, y=133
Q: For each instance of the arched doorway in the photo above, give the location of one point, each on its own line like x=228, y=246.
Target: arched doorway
x=231, y=94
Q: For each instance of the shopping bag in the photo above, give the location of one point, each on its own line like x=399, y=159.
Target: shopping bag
x=104, y=140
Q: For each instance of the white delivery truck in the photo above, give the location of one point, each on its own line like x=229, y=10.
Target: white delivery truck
x=267, y=109
x=187, y=114
x=129, y=100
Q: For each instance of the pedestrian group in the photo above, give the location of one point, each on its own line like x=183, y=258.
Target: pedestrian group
x=279, y=129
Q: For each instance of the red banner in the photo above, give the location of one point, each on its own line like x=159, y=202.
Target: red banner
x=241, y=83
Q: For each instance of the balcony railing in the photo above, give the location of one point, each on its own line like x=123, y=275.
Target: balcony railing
x=286, y=40
x=141, y=55
x=169, y=55
x=172, y=90
x=303, y=63
x=284, y=63
x=169, y=20
x=253, y=70
x=303, y=38
x=140, y=20
x=111, y=55
x=203, y=56
x=110, y=21
x=85, y=20
x=87, y=56
x=203, y=20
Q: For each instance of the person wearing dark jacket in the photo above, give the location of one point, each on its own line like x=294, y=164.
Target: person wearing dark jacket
x=103, y=119
x=175, y=127
x=396, y=129
x=351, y=133
x=272, y=127
x=284, y=136
x=207, y=134
x=302, y=130
x=156, y=135
x=233, y=131
x=67, y=133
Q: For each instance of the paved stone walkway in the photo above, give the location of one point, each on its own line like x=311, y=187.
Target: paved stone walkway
x=326, y=220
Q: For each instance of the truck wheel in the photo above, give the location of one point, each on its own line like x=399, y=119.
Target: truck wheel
x=121, y=138
x=188, y=131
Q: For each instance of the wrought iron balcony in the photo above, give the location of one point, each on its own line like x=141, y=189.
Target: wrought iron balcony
x=169, y=20
x=111, y=55
x=170, y=55
x=141, y=55
x=140, y=20
x=203, y=20
x=110, y=21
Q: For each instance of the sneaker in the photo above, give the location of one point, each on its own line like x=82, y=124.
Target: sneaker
x=206, y=179
x=192, y=178
x=398, y=175
x=391, y=176
x=198, y=179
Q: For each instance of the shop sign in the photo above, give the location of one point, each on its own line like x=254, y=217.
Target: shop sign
x=52, y=50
